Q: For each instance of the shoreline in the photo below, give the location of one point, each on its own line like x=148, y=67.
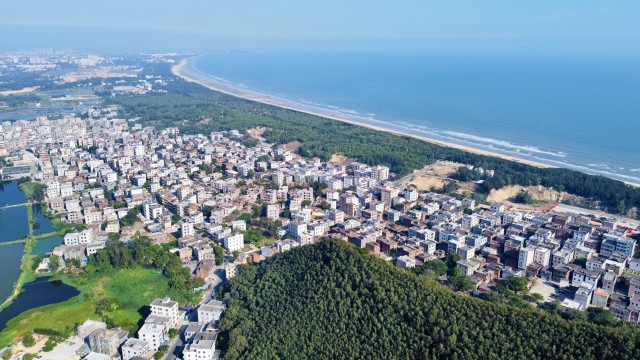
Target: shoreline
x=190, y=75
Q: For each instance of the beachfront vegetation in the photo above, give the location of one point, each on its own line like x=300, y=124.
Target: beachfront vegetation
x=334, y=301
x=185, y=105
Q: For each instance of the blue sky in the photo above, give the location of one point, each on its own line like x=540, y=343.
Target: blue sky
x=590, y=26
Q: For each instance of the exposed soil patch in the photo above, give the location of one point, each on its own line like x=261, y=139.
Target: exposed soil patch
x=434, y=175
x=292, y=146
x=339, y=159
x=545, y=197
x=257, y=131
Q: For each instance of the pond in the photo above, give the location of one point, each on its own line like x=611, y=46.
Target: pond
x=39, y=292
x=45, y=245
x=14, y=223
x=10, y=194
x=43, y=224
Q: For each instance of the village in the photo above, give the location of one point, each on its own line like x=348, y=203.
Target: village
x=230, y=198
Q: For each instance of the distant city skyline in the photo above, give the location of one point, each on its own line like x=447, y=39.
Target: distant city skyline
x=542, y=26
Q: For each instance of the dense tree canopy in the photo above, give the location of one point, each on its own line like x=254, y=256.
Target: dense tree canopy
x=333, y=301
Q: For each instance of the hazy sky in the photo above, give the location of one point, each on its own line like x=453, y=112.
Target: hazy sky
x=586, y=26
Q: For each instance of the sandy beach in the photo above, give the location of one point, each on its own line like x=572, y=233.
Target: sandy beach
x=21, y=91
x=181, y=69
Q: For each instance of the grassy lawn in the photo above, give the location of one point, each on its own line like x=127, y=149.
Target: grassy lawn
x=134, y=290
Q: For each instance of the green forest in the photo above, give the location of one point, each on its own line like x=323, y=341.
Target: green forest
x=334, y=301
x=186, y=104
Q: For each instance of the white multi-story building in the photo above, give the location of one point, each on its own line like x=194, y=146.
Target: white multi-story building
x=166, y=308
x=239, y=225
x=562, y=257
x=542, y=255
x=202, y=347
x=53, y=189
x=273, y=212
x=410, y=194
x=380, y=172
x=153, y=334
x=469, y=221
x=134, y=348
x=187, y=229
x=525, y=257
x=210, y=312
x=333, y=183
x=152, y=211
x=475, y=241
x=405, y=262
x=78, y=238
x=297, y=227
x=66, y=190
x=229, y=270
x=278, y=178
x=234, y=242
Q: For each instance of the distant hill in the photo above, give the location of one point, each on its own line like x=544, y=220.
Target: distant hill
x=333, y=301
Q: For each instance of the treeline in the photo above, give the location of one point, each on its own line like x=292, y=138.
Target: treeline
x=139, y=252
x=186, y=104
x=16, y=100
x=333, y=301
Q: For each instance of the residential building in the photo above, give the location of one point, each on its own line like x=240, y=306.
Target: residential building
x=167, y=308
x=210, y=312
x=135, y=348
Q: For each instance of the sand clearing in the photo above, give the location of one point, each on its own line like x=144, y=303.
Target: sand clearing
x=434, y=175
x=292, y=146
x=339, y=159
x=257, y=131
x=545, y=197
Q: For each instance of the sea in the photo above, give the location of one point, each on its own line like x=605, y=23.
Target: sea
x=580, y=112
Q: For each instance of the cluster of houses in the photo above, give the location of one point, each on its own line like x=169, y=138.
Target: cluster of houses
x=199, y=337
x=582, y=256
x=101, y=171
x=101, y=343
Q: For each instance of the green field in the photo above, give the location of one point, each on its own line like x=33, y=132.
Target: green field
x=132, y=290
x=128, y=292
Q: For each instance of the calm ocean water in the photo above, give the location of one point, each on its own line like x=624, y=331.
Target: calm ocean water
x=579, y=113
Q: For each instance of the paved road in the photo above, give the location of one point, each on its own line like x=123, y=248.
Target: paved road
x=175, y=348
